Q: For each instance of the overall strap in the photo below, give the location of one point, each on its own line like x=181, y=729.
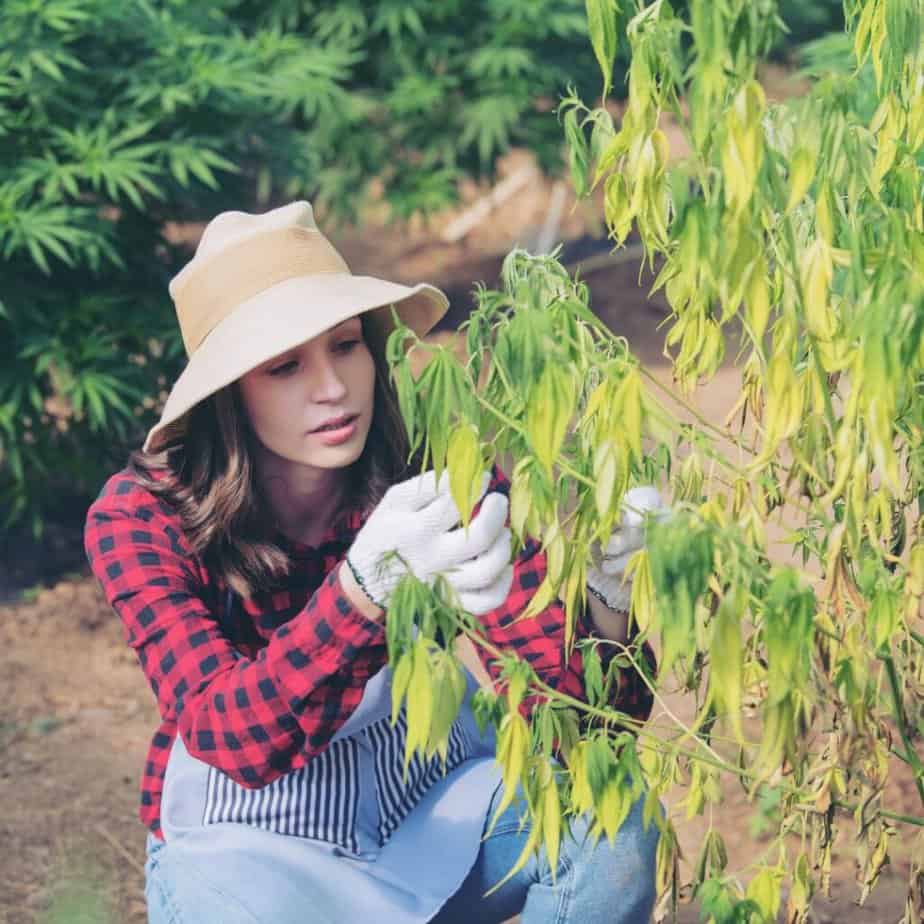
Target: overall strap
x=226, y=618
x=229, y=619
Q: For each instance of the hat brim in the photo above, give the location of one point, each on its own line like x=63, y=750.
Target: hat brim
x=285, y=316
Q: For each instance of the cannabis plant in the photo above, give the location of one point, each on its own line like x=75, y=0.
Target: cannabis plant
x=789, y=241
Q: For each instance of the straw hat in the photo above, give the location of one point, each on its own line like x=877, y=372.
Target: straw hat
x=259, y=285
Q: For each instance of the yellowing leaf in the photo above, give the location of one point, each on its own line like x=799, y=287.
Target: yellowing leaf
x=601, y=24
x=801, y=174
x=520, y=500
x=419, y=702
x=642, y=606
x=915, y=124
x=845, y=446
x=734, y=173
x=726, y=663
x=662, y=149
x=556, y=552
x=764, y=889
x=399, y=681
x=551, y=824
x=628, y=409
x=757, y=300
x=712, y=351
x=608, y=477
x=465, y=471
x=817, y=270
x=513, y=742
x=861, y=38
x=575, y=597
x=450, y=685
x=616, y=206
x=801, y=891
x=597, y=400
x=881, y=440
x=582, y=799
x=613, y=808
x=667, y=861
x=824, y=220
x=551, y=404
x=915, y=578
x=742, y=151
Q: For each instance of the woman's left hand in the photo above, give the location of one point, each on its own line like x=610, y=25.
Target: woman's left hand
x=606, y=578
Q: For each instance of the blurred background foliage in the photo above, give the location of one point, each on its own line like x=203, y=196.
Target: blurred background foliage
x=121, y=118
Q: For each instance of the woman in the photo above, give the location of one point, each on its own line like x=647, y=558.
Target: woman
x=243, y=550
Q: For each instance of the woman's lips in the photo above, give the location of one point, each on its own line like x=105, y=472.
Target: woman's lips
x=336, y=422
x=338, y=434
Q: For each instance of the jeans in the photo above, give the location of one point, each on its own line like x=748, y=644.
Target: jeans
x=594, y=883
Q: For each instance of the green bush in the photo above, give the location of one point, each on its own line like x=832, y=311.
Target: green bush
x=120, y=116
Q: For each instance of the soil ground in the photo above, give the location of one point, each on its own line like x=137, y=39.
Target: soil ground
x=76, y=714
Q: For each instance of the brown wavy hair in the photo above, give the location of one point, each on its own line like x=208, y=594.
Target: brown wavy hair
x=206, y=472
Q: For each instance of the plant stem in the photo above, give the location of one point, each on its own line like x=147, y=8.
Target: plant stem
x=911, y=756
x=574, y=473
x=712, y=760
x=500, y=415
x=705, y=423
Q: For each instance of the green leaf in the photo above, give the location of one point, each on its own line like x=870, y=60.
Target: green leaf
x=401, y=676
x=593, y=674
x=465, y=469
x=551, y=405
x=726, y=672
x=578, y=151
x=764, y=890
x=601, y=20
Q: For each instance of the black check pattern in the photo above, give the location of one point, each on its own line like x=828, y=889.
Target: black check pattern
x=263, y=704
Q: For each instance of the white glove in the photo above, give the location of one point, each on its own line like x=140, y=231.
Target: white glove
x=415, y=519
x=606, y=579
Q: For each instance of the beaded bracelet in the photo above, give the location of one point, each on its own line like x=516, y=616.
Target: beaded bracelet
x=362, y=584
x=598, y=595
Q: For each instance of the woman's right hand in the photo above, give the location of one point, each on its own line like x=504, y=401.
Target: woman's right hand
x=419, y=521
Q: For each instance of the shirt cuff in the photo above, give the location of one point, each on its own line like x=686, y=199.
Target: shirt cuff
x=329, y=636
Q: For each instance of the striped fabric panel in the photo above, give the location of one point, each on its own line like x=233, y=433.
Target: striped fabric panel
x=318, y=801
x=396, y=795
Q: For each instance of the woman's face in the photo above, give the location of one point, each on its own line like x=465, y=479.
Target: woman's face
x=313, y=405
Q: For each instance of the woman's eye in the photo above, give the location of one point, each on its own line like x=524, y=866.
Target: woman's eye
x=346, y=345
x=284, y=368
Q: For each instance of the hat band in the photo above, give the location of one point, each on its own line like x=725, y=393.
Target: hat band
x=246, y=269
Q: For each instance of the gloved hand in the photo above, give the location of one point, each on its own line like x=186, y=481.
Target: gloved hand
x=605, y=578
x=417, y=519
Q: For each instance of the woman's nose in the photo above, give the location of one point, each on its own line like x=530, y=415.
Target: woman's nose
x=327, y=384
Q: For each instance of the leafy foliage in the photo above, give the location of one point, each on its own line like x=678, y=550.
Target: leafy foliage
x=121, y=121
x=790, y=237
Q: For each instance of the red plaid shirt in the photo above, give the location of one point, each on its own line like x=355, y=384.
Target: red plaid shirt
x=268, y=701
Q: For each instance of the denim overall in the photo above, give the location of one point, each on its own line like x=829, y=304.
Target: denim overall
x=347, y=839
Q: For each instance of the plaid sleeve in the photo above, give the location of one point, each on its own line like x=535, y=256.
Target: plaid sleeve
x=541, y=640
x=254, y=719
x=630, y=694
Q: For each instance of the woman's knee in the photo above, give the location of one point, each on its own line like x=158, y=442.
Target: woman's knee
x=631, y=856
x=177, y=893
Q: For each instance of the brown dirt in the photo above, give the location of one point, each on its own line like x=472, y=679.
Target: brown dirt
x=76, y=714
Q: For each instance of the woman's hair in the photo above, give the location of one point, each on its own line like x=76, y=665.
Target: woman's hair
x=206, y=473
